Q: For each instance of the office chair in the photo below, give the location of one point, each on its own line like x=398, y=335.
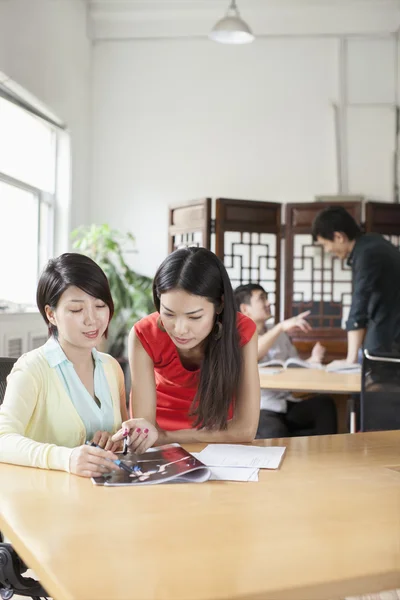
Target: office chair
x=11, y=566
x=380, y=392
x=6, y=364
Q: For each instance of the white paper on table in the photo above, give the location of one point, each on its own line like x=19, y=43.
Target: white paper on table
x=231, y=473
x=236, y=455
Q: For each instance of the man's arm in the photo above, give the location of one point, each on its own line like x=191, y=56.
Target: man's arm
x=267, y=340
x=355, y=339
x=366, y=273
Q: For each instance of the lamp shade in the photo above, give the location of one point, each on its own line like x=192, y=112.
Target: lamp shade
x=231, y=29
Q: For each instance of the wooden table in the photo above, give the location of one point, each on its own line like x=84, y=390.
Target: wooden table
x=324, y=526
x=311, y=380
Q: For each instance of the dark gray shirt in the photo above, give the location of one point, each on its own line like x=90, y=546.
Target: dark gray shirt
x=375, y=264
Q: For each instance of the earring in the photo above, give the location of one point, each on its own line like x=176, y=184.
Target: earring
x=160, y=325
x=218, y=330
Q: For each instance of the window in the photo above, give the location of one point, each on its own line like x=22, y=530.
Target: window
x=28, y=159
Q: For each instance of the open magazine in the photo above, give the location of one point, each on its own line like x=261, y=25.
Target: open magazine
x=343, y=368
x=158, y=465
x=297, y=363
x=291, y=363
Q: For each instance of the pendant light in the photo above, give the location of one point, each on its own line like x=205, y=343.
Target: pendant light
x=231, y=29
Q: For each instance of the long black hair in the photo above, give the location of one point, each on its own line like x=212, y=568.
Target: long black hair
x=200, y=272
x=66, y=270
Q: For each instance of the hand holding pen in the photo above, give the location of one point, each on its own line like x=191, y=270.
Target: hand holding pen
x=140, y=433
x=91, y=461
x=120, y=464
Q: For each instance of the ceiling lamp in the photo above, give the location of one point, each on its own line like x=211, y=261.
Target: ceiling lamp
x=231, y=29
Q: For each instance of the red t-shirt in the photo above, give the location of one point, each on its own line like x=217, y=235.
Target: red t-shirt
x=176, y=386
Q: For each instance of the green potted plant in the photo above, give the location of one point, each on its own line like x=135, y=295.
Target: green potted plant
x=131, y=292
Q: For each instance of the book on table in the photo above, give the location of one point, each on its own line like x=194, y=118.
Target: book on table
x=169, y=463
x=343, y=367
x=298, y=363
x=290, y=363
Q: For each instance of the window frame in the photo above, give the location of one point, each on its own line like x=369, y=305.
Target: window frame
x=43, y=198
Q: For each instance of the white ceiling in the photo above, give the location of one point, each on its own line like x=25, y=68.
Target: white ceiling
x=129, y=19
x=148, y=4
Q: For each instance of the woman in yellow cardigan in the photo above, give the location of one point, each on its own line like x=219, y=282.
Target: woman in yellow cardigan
x=66, y=393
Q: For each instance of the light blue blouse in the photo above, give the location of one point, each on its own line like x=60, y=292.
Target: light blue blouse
x=94, y=417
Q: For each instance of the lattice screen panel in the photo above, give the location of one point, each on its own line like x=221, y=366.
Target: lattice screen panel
x=192, y=238
x=252, y=257
x=321, y=283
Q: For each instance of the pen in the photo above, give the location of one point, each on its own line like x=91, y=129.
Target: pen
x=125, y=448
x=119, y=463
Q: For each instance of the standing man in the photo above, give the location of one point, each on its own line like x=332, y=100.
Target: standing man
x=374, y=318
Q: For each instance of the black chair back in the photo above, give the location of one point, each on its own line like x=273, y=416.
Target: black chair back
x=12, y=567
x=380, y=392
x=6, y=364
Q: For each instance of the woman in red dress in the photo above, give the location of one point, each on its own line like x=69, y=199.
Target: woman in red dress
x=194, y=361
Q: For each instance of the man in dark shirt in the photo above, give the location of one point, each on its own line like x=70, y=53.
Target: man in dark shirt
x=374, y=319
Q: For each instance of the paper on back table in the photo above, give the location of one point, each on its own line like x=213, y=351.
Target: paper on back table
x=236, y=455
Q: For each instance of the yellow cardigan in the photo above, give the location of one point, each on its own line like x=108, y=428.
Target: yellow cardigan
x=39, y=425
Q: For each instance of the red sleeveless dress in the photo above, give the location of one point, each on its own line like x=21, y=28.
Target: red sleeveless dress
x=176, y=386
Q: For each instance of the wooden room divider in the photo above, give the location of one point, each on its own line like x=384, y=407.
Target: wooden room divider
x=255, y=245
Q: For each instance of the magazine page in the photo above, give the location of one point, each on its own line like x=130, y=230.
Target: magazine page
x=158, y=465
x=341, y=367
x=238, y=455
x=299, y=363
x=272, y=363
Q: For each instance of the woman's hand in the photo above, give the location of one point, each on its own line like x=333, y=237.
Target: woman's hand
x=141, y=435
x=88, y=461
x=104, y=440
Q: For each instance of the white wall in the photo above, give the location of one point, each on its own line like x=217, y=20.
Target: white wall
x=45, y=48
x=178, y=119
x=175, y=120
x=370, y=90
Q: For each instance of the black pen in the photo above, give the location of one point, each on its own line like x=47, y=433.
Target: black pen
x=118, y=462
x=125, y=448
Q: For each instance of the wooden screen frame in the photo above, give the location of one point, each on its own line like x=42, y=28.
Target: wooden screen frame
x=382, y=217
x=260, y=217
x=299, y=218
x=192, y=222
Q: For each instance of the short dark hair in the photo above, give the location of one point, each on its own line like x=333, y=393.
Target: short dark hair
x=201, y=273
x=244, y=292
x=66, y=270
x=334, y=218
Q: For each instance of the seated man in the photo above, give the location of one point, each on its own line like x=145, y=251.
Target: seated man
x=281, y=414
